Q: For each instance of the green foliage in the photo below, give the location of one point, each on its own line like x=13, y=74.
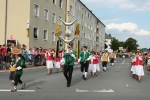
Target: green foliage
x=131, y=44
x=115, y=44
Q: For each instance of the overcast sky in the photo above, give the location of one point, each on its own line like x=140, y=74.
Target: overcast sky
x=124, y=18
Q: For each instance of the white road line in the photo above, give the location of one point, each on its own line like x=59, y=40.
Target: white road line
x=123, y=61
x=104, y=90
x=5, y=90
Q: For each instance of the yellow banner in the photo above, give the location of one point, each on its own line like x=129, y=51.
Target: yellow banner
x=57, y=30
x=77, y=29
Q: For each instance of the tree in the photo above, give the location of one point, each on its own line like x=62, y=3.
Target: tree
x=115, y=44
x=131, y=44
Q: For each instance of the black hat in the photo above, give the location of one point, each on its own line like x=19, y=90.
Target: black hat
x=85, y=46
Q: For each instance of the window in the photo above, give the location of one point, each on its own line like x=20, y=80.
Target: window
x=60, y=22
x=60, y=3
x=35, y=33
x=53, y=18
x=53, y=36
x=36, y=10
x=79, y=20
x=85, y=12
x=45, y=14
x=79, y=7
x=54, y=1
x=82, y=17
x=85, y=24
x=71, y=9
x=45, y=37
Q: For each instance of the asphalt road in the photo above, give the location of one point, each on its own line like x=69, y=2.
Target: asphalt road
x=115, y=84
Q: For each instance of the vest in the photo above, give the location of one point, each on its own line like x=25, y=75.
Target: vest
x=105, y=57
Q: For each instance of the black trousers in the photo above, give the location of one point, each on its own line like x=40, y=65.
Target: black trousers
x=68, y=70
x=17, y=80
x=112, y=60
x=84, y=66
x=11, y=75
x=104, y=64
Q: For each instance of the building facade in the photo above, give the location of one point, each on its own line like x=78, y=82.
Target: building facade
x=108, y=39
x=33, y=23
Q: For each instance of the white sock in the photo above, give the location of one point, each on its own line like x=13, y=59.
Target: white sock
x=104, y=68
x=112, y=64
x=13, y=81
x=85, y=74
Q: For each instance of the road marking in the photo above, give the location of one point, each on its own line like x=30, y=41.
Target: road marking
x=123, y=61
x=104, y=90
x=5, y=90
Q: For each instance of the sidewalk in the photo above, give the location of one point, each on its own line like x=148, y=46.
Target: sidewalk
x=31, y=68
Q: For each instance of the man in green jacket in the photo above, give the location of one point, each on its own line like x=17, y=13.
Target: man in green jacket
x=68, y=65
x=20, y=63
x=84, y=55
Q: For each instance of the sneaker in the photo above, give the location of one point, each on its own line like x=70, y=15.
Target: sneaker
x=84, y=78
x=23, y=86
x=13, y=90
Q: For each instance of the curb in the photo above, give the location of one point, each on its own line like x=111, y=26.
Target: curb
x=3, y=71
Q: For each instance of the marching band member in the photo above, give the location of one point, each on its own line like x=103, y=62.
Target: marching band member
x=68, y=61
x=49, y=61
x=84, y=55
x=112, y=56
x=105, y=60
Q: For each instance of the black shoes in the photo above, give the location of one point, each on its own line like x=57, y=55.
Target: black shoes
x=13, y=90
x=83, y=76
x=23, y=86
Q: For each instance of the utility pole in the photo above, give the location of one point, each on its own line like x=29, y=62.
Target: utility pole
x=5, y=22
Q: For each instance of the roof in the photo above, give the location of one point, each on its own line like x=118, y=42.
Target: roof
x=108, y=36
x=91, y=12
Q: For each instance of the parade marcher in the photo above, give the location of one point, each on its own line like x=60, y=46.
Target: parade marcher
x=12, y=70
x=138, y=66
x=49, y=61
x=19, y=65
x=84, y=55
x=68, y=60
x=112, y=57
x=148, y=62
x=57, y=62
x=97, y=56
x=92, y=64
x=105, y=60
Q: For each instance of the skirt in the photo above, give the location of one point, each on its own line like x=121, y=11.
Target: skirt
x=97, y=67
x=92, y=67
x=57, y=64
x=133, y=69
x=139, y=71
x=49, y=64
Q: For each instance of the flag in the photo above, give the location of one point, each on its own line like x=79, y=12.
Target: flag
x=57, y=33
x=77, y=29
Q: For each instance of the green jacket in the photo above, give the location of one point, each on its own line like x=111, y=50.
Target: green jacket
x=82, y=56
x=69, y=59
x=20, y=63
